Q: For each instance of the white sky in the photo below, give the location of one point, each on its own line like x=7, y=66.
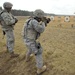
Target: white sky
x=66, y=7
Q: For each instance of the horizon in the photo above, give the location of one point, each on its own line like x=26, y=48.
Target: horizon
x=66, y=7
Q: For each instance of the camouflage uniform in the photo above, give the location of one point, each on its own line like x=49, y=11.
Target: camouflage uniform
x=31, y=30
x=7, y=24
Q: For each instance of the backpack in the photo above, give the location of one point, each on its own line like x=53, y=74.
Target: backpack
x=0, y=16
x=0, y=23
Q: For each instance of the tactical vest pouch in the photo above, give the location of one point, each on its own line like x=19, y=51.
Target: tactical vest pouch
x=38, y=45
x=39, y=48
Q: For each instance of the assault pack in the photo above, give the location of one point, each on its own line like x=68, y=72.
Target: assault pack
x=0, y=16
x=1, y=11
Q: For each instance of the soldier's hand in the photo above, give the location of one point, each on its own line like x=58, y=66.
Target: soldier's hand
x=16, y=20
x=43, y=19
x=48, y=20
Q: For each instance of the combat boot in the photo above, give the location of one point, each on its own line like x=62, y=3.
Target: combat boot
x=28, y=57
x=13, y=55
x=40, y=71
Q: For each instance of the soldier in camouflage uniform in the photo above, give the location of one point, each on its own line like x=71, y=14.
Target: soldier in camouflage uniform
x=8, y=22
x=31, y=31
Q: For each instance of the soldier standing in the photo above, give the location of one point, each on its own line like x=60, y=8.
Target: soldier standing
x=8, y=22
x=31, y=31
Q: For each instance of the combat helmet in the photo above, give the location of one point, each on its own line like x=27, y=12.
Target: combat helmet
x=7, y=5
x=38, y=13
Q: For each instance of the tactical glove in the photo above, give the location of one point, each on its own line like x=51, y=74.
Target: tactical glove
x=16, y=20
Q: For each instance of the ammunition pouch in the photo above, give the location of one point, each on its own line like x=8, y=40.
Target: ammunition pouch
x=38, y=45
x=39, y=48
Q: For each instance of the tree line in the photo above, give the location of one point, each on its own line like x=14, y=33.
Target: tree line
x=23, y=12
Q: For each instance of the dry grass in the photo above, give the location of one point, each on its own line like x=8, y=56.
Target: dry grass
x=58, y=42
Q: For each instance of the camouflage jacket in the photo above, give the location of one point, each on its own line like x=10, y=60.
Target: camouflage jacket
x=33, y=29
x=7, y=21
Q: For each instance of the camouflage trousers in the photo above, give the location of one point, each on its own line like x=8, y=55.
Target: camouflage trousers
x=10, y=40
x=32, y=48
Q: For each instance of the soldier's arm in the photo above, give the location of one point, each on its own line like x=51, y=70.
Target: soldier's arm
x=7, y=19
x=39, y=28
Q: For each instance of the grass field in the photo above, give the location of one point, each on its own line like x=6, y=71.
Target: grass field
x=58, y=42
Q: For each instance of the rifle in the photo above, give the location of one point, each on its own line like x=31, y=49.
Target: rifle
x=46, y=20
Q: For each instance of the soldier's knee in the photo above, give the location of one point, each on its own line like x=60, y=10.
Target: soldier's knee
x=11, y=40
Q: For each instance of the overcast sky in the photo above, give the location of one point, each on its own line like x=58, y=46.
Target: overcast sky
x=48, y=6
